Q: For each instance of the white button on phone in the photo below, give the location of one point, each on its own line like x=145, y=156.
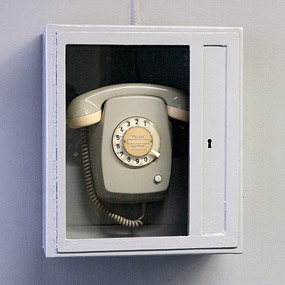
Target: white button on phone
x=157, y=178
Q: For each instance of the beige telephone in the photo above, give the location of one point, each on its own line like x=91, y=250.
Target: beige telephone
x=126, y=150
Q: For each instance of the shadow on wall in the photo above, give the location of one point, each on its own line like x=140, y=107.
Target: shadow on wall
x=127, y=270
x=21, y=114
x=21, y=161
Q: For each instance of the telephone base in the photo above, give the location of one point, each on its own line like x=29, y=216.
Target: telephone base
x=116, y=181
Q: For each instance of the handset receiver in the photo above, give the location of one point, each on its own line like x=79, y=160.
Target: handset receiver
x=85, y=110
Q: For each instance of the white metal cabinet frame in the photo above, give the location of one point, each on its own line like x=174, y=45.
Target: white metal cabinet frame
x=215, y=112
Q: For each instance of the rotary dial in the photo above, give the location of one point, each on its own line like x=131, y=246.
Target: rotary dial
x=136, y=141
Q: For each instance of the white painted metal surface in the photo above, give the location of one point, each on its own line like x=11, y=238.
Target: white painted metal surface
x=215, y=140
x=215, y=194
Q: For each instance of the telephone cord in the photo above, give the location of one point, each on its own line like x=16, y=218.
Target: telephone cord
x=133, y=223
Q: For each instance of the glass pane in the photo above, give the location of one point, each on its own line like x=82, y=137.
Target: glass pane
x=137, y=157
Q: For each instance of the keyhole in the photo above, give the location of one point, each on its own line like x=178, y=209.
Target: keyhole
x=209, y=143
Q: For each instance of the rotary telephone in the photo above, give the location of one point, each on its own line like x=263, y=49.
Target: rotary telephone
x=126, y=149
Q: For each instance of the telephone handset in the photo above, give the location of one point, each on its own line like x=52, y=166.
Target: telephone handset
x=126, y=149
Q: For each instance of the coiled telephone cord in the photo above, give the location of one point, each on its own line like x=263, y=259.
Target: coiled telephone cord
x=92, y=191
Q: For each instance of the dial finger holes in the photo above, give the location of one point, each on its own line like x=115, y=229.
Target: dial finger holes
x=134, y=140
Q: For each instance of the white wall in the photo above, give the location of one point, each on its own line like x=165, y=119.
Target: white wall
x=21, y=257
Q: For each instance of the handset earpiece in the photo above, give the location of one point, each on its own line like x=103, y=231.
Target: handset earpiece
x=85, y=110
x=82, y=112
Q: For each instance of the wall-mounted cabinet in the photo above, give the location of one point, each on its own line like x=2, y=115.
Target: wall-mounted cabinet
x=147, y=122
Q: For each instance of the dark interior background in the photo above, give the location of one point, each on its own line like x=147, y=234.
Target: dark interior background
x=93, y=66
